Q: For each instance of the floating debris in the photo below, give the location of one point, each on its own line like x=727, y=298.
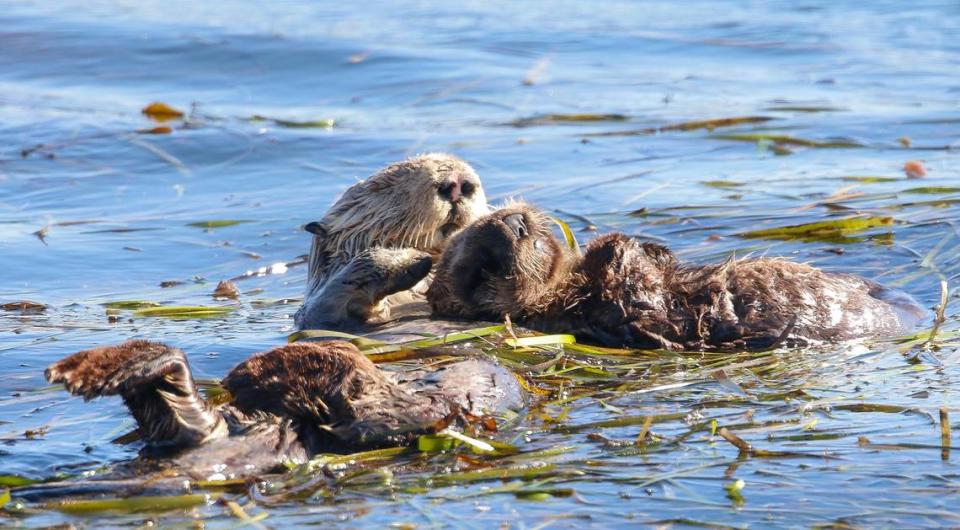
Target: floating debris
x=783, y=139
x=42, y=234
x=218, y=223
x=533, y=75
x=323, y=123
x=226, y=289
x=804, y=108
x=162, y=129
x=547, y=119
x=914, y=169
x=26, y=307
x=161, y=112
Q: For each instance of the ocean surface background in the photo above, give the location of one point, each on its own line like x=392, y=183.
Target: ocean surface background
x=94, y=209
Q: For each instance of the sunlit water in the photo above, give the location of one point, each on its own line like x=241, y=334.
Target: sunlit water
x=407, y=77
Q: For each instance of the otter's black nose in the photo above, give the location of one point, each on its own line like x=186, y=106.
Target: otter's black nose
x=516, y=223
x=455, y=187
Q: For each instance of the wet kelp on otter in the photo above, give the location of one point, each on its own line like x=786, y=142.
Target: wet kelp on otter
x=372, y=250
x=623, y=292
x=288, y=404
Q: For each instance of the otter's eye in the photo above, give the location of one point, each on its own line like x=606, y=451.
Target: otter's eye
x=467, y=188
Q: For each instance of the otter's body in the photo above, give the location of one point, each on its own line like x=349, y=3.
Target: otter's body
x=288, y=404
x=625, y=293
x=373, y=249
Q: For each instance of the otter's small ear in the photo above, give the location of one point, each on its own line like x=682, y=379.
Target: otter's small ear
x=315, y=228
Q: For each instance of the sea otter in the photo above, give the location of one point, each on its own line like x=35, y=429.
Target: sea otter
x=625, y=293
x=373, y=249
x=287, y=404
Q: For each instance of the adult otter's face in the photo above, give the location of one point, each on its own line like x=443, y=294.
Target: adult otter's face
x=419, y=203
x=507, y=263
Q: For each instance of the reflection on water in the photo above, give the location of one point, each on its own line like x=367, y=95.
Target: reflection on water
x=115, y=207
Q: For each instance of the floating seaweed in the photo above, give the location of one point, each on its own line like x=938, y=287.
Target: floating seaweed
x=548, y=119
x=185, y=311
x=783, y=139
x=834, y=230
x=695, y=125
x=218, y=223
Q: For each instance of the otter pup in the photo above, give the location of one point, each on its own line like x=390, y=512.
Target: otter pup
x=288, y=404
x=372, y=249
x=626, y=293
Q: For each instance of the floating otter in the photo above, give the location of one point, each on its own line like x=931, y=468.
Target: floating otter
x=372, y=250
x=288, y=403
x=626, y=293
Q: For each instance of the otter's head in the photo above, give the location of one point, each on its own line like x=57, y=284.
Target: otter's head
x=507, y=263
x=417, y=203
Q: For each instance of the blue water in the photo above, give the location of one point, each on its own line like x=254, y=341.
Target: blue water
x=406, y=77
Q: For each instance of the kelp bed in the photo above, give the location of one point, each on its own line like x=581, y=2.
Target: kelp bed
x=702, y=430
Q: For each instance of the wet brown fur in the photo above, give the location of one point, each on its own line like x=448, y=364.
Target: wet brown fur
x=154, y=381
x=332, y=385
x=288, y=403
x=622, y=292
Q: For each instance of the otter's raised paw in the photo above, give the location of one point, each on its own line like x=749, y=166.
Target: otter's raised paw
x=155, y=383
x=104, y=370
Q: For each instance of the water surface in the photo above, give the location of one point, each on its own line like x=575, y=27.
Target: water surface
x=400, y=78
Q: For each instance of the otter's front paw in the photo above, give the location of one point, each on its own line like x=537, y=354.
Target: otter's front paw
x=354, y=293
x=380, y=272
x=406, y=268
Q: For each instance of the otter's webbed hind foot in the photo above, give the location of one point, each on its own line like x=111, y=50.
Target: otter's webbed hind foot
x=155, y=383
x=353, y=295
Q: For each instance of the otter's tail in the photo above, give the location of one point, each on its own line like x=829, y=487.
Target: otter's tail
x=155, y=383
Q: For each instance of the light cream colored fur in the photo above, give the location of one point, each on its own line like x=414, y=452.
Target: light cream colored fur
x=397, y=208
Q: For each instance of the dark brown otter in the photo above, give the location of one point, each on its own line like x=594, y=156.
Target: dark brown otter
x=288, y=403
x=626, y=293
